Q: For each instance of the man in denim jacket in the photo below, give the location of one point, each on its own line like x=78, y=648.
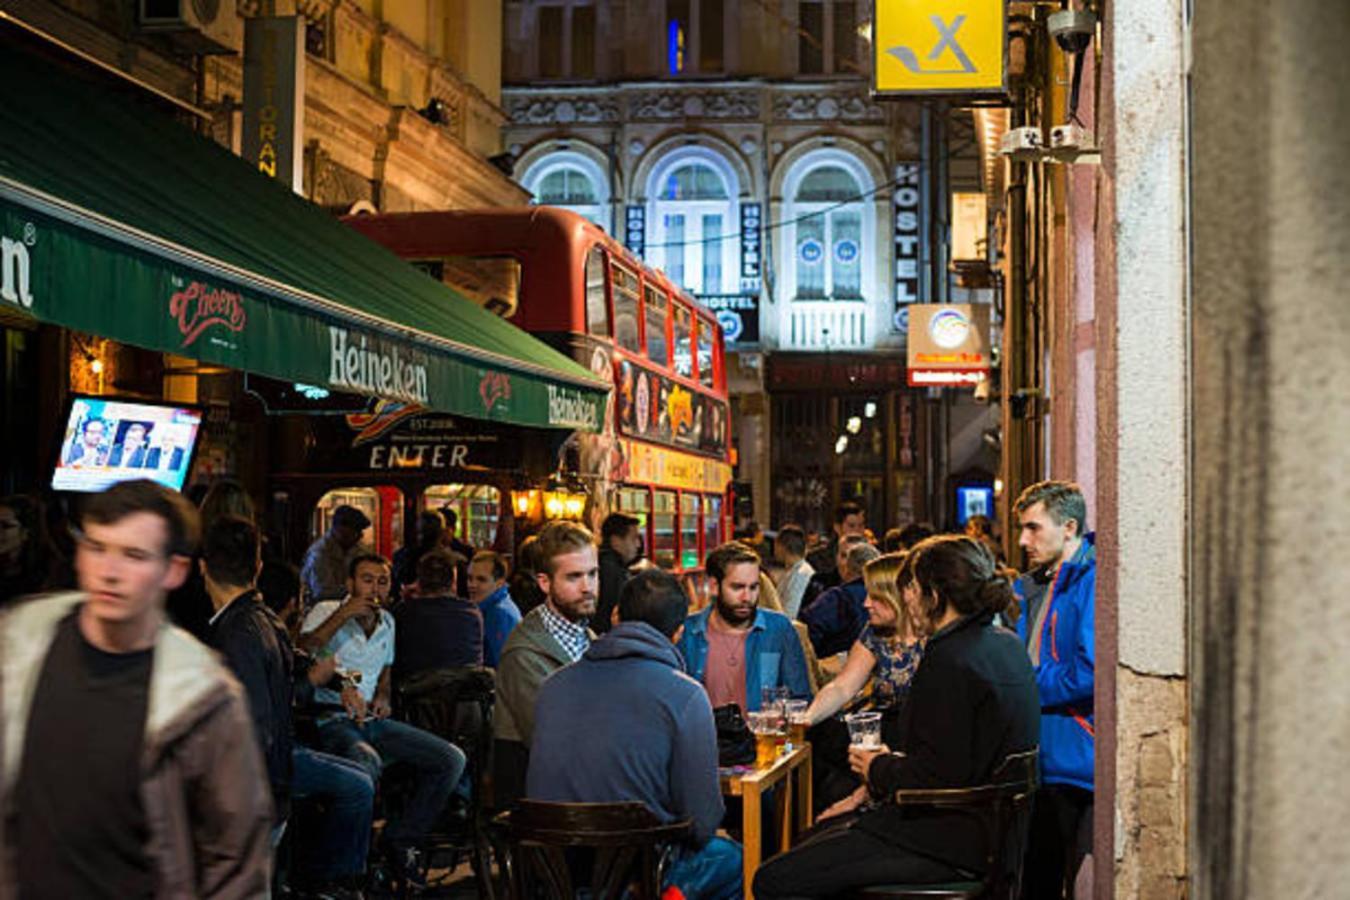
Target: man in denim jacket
x=734, y=648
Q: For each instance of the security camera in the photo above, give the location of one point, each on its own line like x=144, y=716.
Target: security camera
x=1072, y=29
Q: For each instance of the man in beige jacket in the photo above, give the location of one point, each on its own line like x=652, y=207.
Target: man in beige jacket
x=128, y=766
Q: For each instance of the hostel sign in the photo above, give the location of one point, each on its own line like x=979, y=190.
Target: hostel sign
x=948, y=344
x=939, y=47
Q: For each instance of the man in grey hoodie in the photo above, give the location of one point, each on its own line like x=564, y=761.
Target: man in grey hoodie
x=652, y=740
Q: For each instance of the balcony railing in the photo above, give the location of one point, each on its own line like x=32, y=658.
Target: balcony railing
x=826, y=324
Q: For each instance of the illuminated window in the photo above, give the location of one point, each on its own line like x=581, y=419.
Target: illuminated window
x=695, y=36
x=829, y=230
x=695, y=236
x=571, y=180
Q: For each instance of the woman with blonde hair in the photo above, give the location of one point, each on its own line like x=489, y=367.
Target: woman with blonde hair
x=888, y=652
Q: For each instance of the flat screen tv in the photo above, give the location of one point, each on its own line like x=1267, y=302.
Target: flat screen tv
x=108, y=440
x=974, y=500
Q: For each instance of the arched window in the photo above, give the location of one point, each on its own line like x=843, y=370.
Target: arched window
x=572, y=181
x=827, y=212
x=694, y=236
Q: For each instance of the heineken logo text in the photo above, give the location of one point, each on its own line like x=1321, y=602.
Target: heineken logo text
x=569, y=408
x=374, y=368
x=14, y=279
x=200, y=306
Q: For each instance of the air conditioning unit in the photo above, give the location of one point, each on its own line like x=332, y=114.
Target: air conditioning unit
x=204, y=27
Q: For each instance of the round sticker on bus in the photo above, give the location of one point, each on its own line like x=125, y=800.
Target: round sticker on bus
x=643, y=401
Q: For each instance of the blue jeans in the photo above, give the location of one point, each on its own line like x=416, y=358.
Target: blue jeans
x=710, y=873
x=377, y=743
x=341, y=838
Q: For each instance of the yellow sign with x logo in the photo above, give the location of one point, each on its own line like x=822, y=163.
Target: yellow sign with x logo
x=939, y=46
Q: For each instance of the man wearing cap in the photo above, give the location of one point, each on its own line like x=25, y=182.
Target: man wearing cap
x=324, y=573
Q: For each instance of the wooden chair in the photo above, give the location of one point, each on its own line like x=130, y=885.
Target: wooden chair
x=457, y=704
x=1005, y=805
x=627, y=840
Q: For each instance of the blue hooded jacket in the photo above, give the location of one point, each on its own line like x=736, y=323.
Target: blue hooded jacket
x=500, y=617
x=773, y=655
x=1064, y=677
x=652, y=739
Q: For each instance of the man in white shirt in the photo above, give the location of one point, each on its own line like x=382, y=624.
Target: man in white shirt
x=361, y=636
x=790, y=550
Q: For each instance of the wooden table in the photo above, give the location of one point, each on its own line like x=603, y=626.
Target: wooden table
x=750, y=786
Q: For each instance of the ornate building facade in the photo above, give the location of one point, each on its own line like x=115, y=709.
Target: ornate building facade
x=734, y=144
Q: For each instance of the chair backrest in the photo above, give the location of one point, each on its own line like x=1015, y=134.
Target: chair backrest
x=626, y=841
x=455, y=704
x=1004, y=807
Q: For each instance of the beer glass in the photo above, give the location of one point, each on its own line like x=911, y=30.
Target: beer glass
x=765, y=728
x=864, y=730
x=795, y=712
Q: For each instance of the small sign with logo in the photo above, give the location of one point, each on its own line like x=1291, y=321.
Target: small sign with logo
x=940, y=47
x=948, y=344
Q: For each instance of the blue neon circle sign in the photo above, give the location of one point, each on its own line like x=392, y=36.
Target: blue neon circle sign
x=846, y=251
x=730, y=321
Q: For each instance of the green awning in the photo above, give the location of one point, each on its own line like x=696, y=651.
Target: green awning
x=117, y=221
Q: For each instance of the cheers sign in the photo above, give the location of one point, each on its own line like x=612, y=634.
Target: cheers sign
x=200, y=306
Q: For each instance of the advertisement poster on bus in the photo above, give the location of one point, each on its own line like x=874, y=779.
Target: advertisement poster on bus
x=656, y=408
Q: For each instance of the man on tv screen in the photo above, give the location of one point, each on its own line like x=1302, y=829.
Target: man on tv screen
x=134, y=452
x=88, y=449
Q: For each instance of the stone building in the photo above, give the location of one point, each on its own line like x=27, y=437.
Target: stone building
x=734, y=144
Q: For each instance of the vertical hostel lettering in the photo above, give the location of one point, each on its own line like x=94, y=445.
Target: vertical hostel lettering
x=908, y=222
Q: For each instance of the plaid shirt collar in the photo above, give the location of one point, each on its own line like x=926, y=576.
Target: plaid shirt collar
x=574, y=638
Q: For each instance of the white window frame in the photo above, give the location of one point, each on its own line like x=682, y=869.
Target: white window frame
x=600, y=212
x=794, y=211
x=658, y=255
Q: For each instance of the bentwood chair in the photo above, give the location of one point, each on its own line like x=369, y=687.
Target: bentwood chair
x=624, y=846
x=1004, y=808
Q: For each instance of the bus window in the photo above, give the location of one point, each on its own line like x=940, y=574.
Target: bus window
x=684, y=350
x=625, y=286
x=657, y=348
x=383, y=506
x=689, y=558
x=663, y=529
x=712, y=517
x=705, y=354
x=477, y=506
x=597, y=314
x=637, y=502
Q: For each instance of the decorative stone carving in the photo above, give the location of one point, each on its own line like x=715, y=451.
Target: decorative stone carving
x=749, y=146
x=535, y=110
x=705, y=104
x=836, y=106
x=636, y=146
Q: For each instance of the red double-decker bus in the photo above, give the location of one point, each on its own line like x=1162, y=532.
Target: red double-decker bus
x=664, y=453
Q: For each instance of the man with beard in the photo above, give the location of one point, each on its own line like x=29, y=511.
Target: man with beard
x=734, y=648
x=551, y=636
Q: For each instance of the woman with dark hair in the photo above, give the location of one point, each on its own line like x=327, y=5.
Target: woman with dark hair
x=972, y=703
x=189, y=606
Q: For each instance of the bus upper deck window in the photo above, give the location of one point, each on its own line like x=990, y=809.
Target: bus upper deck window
x=597, y=313
x=658, y=351
x=626, y=308
x=684, y=342
x=705, y=354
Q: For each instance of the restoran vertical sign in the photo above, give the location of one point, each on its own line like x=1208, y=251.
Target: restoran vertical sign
x=940, y=47
x=274, y=100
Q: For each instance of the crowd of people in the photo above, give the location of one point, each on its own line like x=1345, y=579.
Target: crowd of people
x=247, y=748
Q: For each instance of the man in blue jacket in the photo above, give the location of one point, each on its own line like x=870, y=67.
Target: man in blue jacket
x=1056, y=623
x=652, y=741
x=734, y=648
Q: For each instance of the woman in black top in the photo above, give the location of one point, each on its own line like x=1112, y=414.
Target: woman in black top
x=972, y=702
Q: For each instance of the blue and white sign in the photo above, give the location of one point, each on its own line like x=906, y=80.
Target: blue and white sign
x=846, y=251
x=635, y=230
x=909, y=228
x=811, y=251
x=731, y=325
